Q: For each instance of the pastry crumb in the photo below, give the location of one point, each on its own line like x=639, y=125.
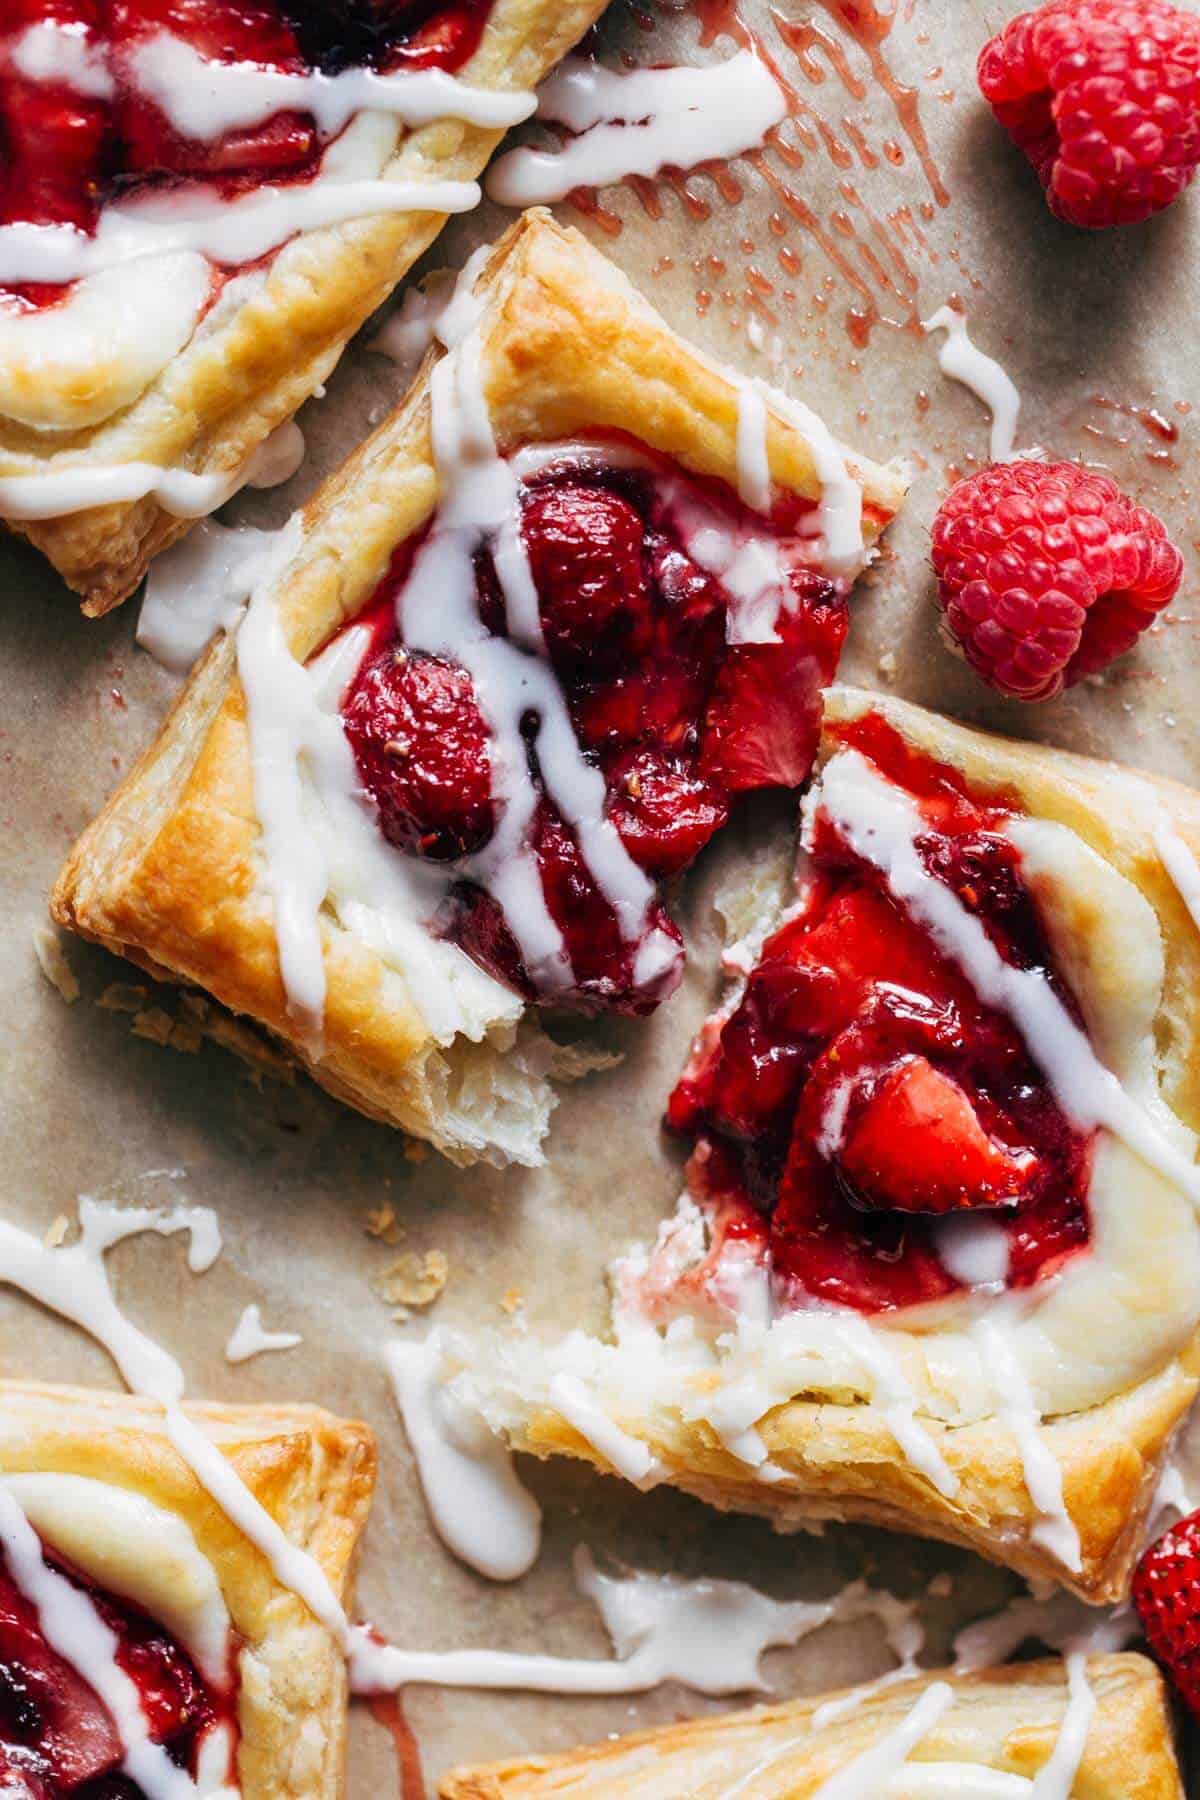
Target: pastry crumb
x=381, y=1223
x=942, y=1585
x=511, y=1301
x=56, y=1232
x=413, y=1279
x=887, y=665
x=154, y=1023
x=123, y=996
x=415, y=1151
x=52, y=961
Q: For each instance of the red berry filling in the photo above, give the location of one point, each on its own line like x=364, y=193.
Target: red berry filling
x=861, y=1090
x=56, y=1735
x=63, y=153
x=677, y=719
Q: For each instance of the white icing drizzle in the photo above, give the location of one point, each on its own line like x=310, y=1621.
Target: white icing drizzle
x=880, y=824
x=962, y=361
x=863, y=1778
x=230, y=232
x=182, y=493
x=438, y=613
x=892, y=1392
x=249, y=1338
x=1179, y=861
x=1055, y=1779
x=74, y=1629
x=753, y=464
x=840, y=506
x=1061, y=1620
x=412, y=328
x=479, y=1508
x=59, y=51
x=204, y=99
x=628, y=1455
x=636, y=122
x=974, y=1248
x=200, y=585
x=1055, y=1530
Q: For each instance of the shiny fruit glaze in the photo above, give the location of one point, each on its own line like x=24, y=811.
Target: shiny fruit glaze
x=861, y=1091
x=678, y=720
x=63, y=154
x=56, y=1736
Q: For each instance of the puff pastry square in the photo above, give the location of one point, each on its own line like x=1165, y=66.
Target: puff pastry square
x=998, y=1729
x=582, y=385
x=938, y=1262
x=187, y=360
x=256, y=1688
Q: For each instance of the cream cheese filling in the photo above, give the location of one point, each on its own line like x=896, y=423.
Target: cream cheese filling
x=138, y=1551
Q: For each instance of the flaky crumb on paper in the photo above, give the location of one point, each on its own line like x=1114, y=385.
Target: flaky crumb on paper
x=194, y=1021
x=887, y=665
x=381, y=1222
x=56, y=1232
x=413, y=1280
x=52, y=960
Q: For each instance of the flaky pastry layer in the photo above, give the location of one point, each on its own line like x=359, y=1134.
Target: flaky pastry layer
x=1004, y=1719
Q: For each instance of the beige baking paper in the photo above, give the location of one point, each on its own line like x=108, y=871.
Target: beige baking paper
x=829, y=257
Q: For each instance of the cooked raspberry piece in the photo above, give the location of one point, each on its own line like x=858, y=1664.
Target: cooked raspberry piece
x=918, y=1146
x=422, y=750
x=51, y=138
x=1103, y=96
x=664, y=811
x=585, y=550
x=764, y=717
x=1166, y=1592
x=1046, y=572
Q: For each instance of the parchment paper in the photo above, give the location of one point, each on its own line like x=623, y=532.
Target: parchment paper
x=91, y=1107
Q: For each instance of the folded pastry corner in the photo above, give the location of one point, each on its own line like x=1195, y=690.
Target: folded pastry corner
x=985, y=1736
x=579, y=592
x=106, y=1526
x=937, y=1264
x=243, y=187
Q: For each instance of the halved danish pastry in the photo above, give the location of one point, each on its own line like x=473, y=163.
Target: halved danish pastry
x=938, y=1261
x=199, y=205
x=147, y=1647
x=989, y=1736
x=579, y=592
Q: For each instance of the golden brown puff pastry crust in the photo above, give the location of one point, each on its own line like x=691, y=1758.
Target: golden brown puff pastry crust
x=171, y=873
x=312, y=1472
x=1002, y=1719
x=838, y=1460
x=255, y=361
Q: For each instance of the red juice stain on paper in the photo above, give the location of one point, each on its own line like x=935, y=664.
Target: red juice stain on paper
x=387, y=1711
x=870, y=24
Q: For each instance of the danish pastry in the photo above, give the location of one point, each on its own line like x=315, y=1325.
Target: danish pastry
x=975, y=1737
x=144, y=1633
x=936, y=1264
x=201, y=208
x=577, y=594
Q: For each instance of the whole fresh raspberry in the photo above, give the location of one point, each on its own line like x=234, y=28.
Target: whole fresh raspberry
x=1166, y=1592
x=1046, y=572
x=1103, y=96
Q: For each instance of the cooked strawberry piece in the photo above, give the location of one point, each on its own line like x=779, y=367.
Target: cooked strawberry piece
x=54, y=1731
x=918, y=1146
x=861, y=1087
x=422, y=750
x=663, y=810
x=51, y=138
x=764, y=717
x=660, y=700
x=585, y=550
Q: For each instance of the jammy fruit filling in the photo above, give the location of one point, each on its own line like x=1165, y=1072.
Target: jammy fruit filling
x=69, y=145
x=861, y=1094
x=677, y=719
x=56, y=1735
